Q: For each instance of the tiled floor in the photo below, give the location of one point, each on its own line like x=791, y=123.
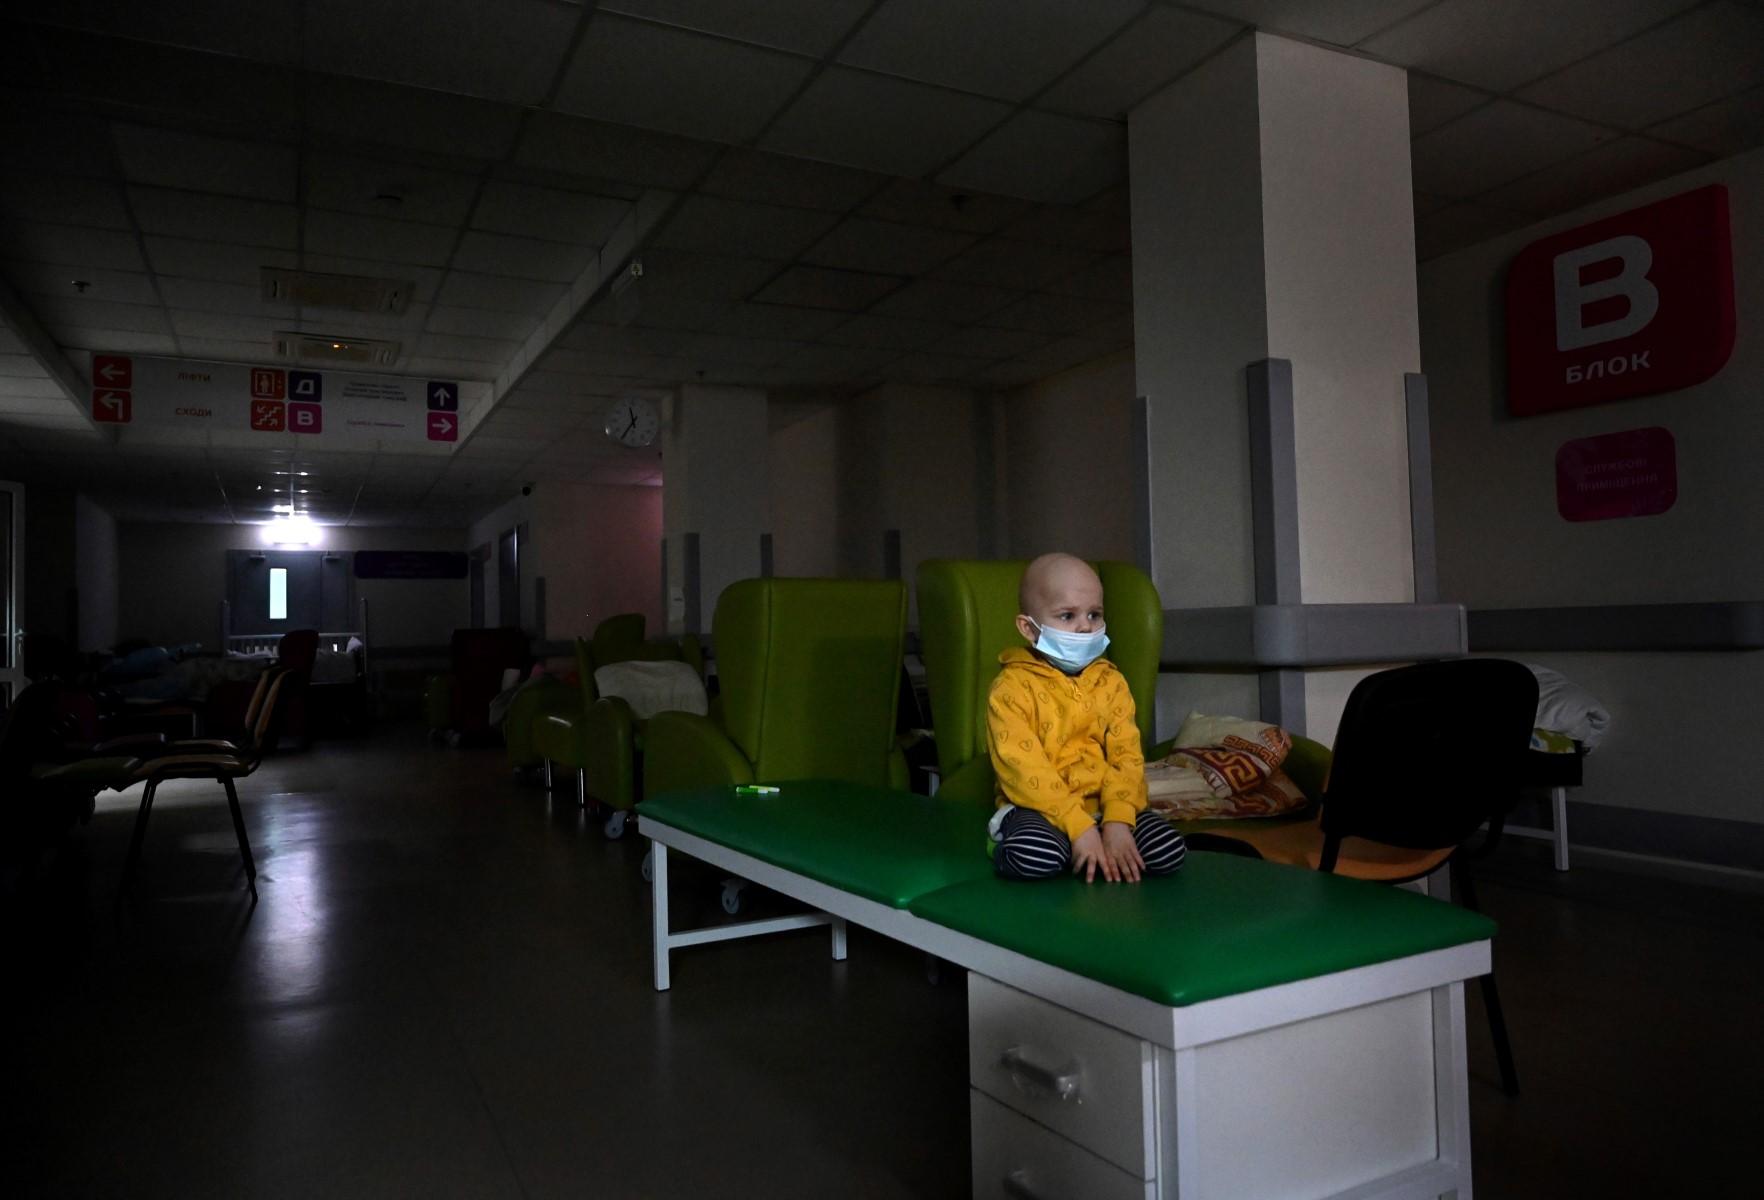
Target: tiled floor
x=444, y=991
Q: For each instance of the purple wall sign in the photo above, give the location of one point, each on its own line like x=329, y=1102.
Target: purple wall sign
x=1628, y=474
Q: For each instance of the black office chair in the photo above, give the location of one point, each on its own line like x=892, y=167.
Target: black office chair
x=1425, y=756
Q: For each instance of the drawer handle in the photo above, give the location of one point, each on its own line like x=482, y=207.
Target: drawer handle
x=1059, y=1083
x=1017, y=1186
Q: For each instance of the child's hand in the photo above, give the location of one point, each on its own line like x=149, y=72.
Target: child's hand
x=1120, y=853
x=1088, y=854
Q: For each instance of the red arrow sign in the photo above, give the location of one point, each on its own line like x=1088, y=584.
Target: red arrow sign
x=269, y=416
x=112, y=371
x=111, y=406
x=442, y=427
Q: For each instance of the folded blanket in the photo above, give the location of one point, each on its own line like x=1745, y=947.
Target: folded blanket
x=1568, y=708
x=1223, y=767
x=652, y=687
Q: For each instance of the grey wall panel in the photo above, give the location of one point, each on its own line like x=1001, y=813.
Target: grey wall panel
x=1290, y=636
x=1420, y=428
x=1731, y=625
x=1273, y=481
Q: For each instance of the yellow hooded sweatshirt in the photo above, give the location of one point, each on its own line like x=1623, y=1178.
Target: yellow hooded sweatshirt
x=1064, y=745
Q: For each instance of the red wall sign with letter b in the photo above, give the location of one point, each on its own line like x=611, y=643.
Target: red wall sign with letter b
x=1630, y=305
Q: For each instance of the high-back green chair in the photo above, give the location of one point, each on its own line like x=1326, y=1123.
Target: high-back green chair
x=967, y=617
x=809, y=671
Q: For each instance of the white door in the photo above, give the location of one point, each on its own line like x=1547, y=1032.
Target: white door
x=12, y=680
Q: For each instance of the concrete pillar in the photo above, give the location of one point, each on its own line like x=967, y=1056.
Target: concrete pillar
x=1272, y=218
x=715, y=497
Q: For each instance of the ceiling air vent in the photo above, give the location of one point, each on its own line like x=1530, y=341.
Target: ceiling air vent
x=334, y=351
x=317, y=289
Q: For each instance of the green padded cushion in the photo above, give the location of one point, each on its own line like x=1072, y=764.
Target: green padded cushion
x=885, y=846
x=1218, y=927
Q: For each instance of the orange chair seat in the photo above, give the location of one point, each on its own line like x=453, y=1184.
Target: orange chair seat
x=1300, y=844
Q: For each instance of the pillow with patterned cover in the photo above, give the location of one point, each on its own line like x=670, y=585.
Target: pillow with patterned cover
x=1224, y=767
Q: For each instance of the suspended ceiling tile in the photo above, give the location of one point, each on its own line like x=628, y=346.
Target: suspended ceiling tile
x=1044, y=157
x=1009, y=49
x=743, y=174
x=202, y=295
x=977, y=341
x=1108, y=278
x=195, y=163
x=345, y=112
x=1725, y=127
x=1704, y=56
x=523, y=258
x=150, y=83
x=479, y=322
x=1066, y=353
x=878, y=123
x=1103, y=226
x=833, y=364
x=40, y=241
x=448, y=368
x=67, y=199
x=463, y=290
x=699, y=276
x=1608, y=170
x=1047, y=313
x=886, y=247
x=821, y=287
x=713, y=225
x=1461, y=225
x=111, y=338
x=1495, y=145
x=550, y=213
x=166, y=213
x=674, y=310
x=940, y=300
x=220, y=349
x=79, y=312
x=33, y=136
x=808, y=27
x=51, y=279
x=923, y=367
x=220, y=261
x=1433, y=102
x=472, y=349
x=1160, y=46
x=920, y=202
x=776, y=322
x=385, y=188
x=1007, y=375
x=1500, y=44
x=889, y=333
x=353, y=236
x=508, y=51
x=423, y=281
x=265, y=29
x=655, y=77
x=601, y=150
x=1340, y=23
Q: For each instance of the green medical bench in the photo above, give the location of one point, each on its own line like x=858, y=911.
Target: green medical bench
x=1239, y=1029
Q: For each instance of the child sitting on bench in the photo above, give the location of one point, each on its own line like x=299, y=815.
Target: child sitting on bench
x=1061, y=731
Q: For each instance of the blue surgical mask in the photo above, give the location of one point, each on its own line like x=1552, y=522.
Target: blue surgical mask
x=1070, y=652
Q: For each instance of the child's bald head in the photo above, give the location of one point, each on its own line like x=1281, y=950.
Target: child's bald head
x=1059, y=591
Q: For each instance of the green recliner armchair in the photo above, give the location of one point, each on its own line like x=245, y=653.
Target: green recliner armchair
x=809, y=672
x=967, y=617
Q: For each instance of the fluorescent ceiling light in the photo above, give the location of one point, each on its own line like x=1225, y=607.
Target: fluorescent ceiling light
x=291, y=531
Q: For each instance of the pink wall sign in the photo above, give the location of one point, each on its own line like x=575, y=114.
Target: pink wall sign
x=1628, y=474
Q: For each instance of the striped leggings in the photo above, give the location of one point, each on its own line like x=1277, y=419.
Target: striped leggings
x=1031, y=847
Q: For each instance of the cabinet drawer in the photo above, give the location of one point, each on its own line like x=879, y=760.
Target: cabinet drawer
x=1016, y=1159
x=1081, y=1079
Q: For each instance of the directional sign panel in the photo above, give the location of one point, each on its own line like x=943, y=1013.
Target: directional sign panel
x=185, y=401
x=112, y=371
x=110, y=405
x=306, y=386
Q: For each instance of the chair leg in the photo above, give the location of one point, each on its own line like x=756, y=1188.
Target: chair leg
x=239, y=831
x=139, y=835
x=1559, y=824
x=1491, y=996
